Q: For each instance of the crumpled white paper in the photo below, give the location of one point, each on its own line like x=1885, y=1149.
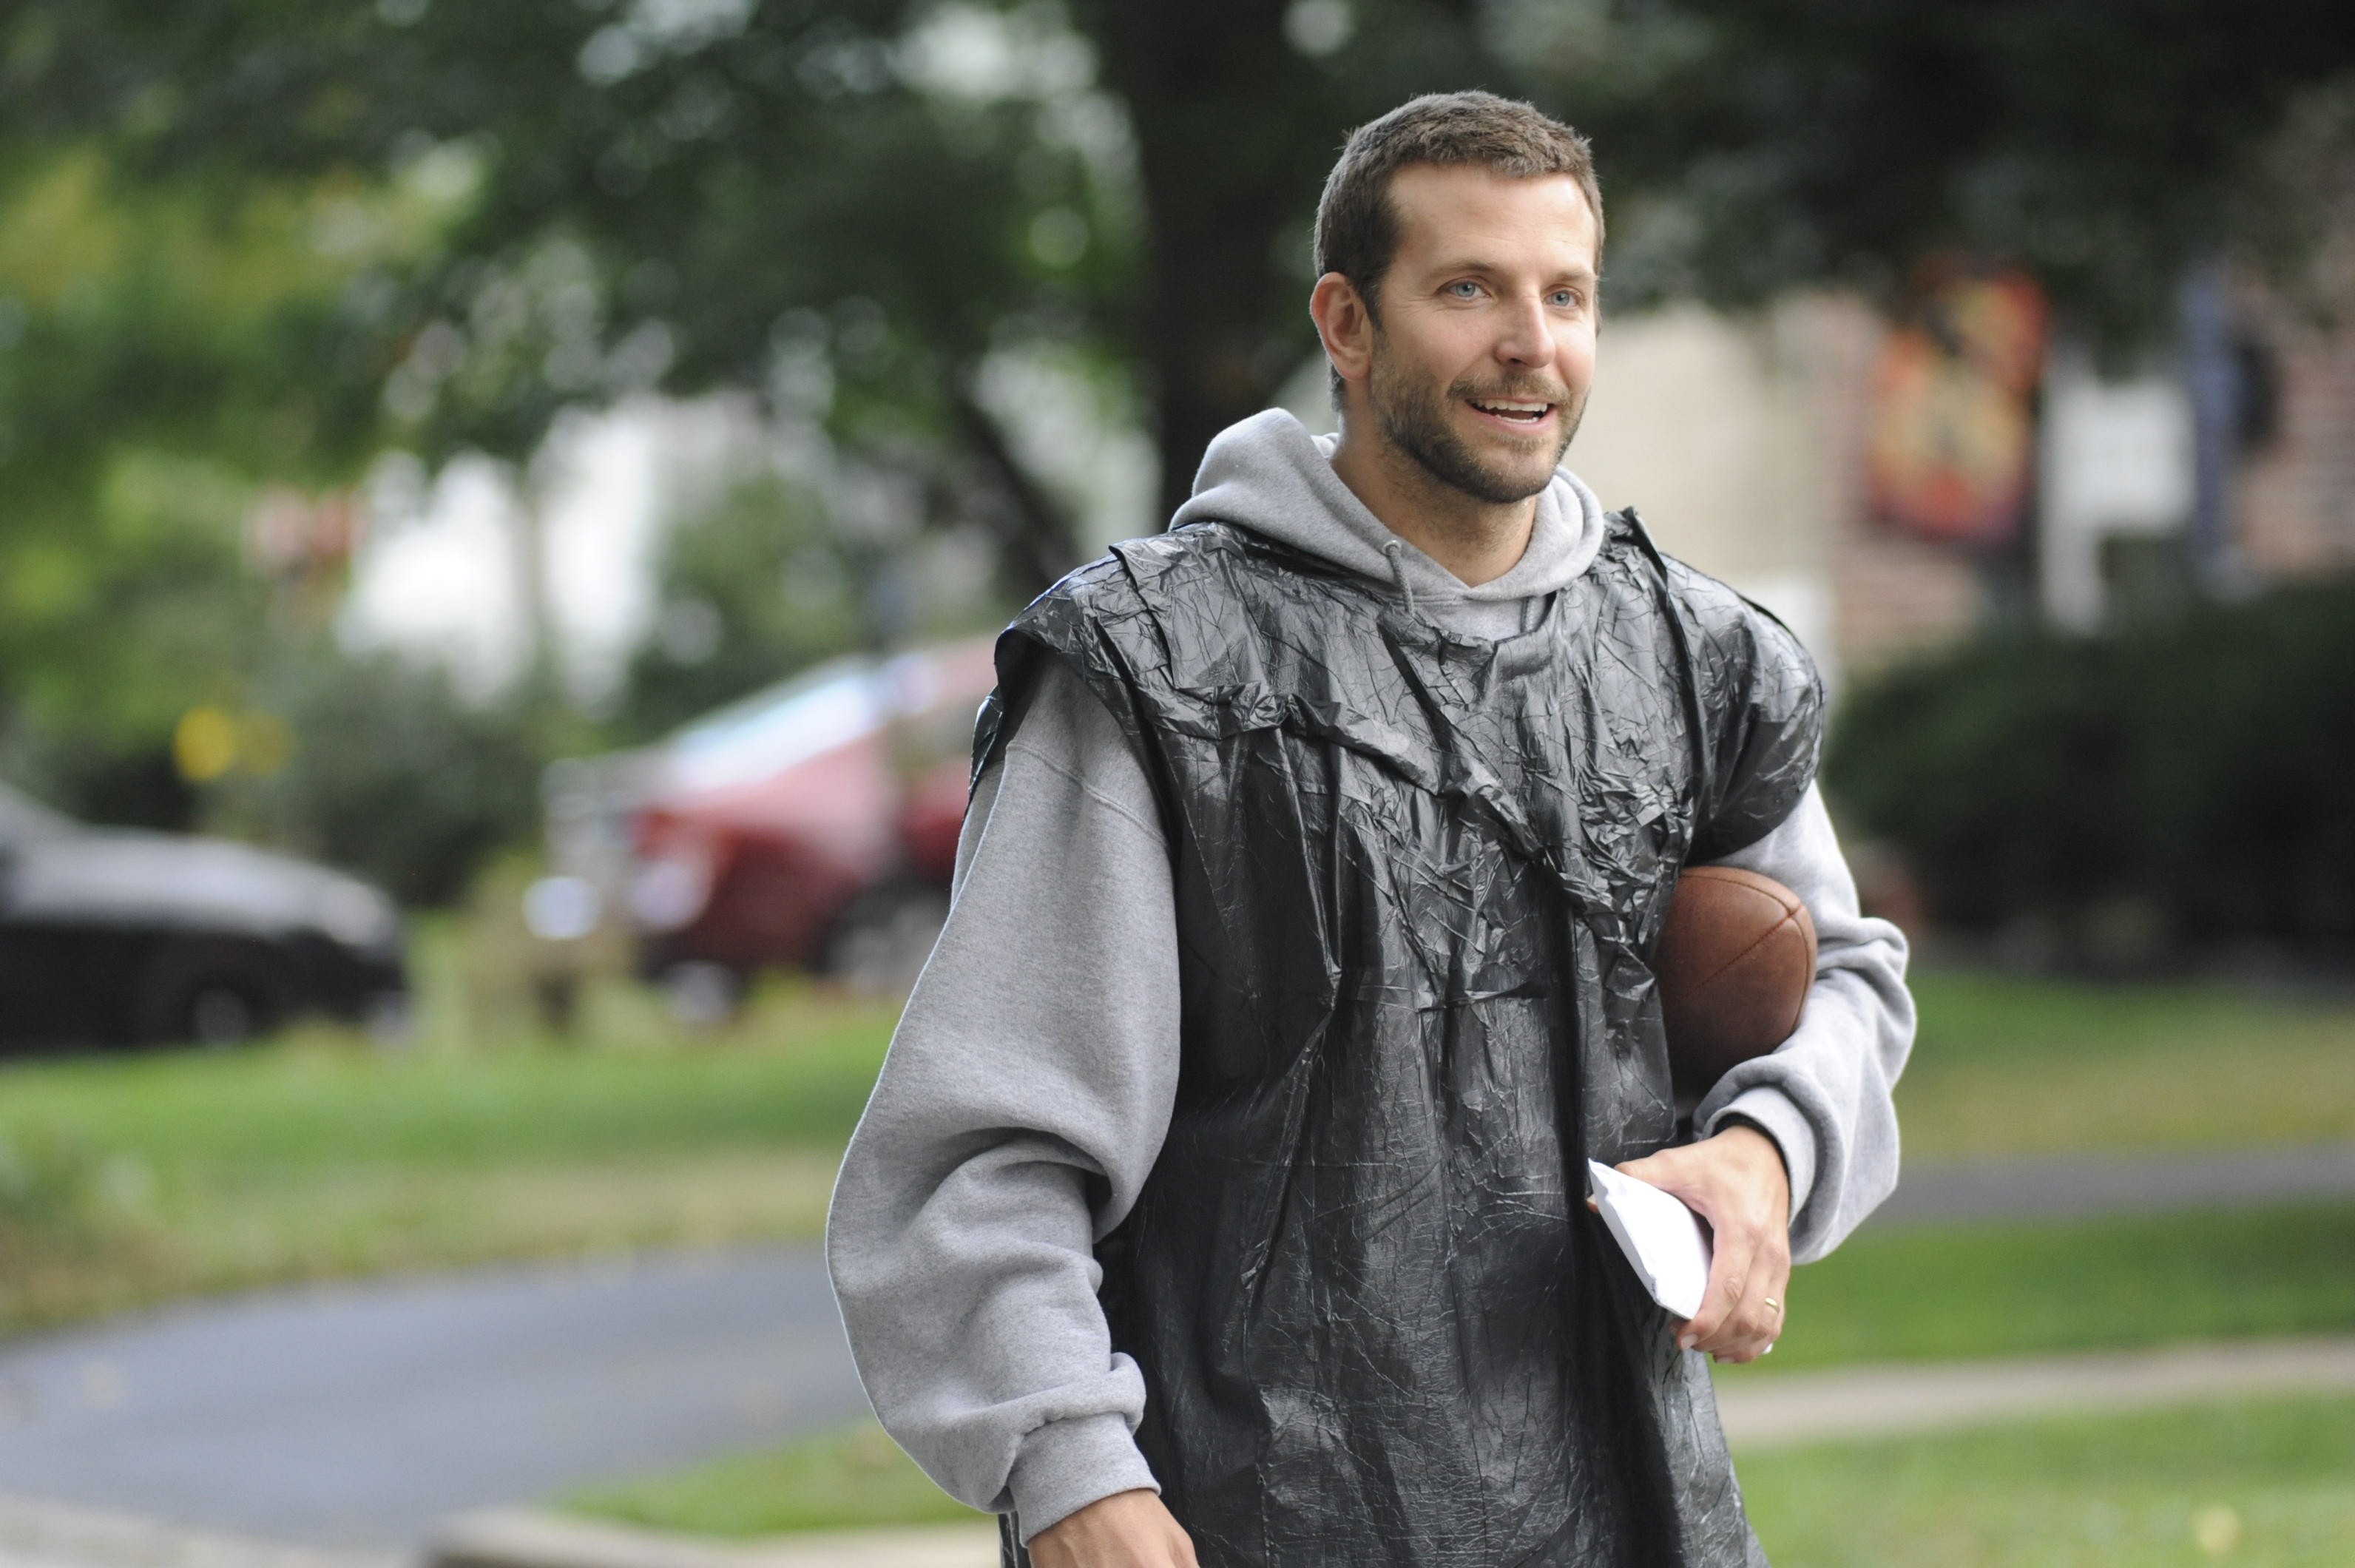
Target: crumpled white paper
x=1661, y=1237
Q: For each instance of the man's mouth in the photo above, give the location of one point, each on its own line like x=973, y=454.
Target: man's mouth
x=1513, y=410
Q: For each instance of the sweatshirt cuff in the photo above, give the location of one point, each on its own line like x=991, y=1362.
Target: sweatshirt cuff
x=1064, y=1465
x=1776, y=1114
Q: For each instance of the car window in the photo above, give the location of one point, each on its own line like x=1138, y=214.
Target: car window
x=760, y=737
x=23, y=819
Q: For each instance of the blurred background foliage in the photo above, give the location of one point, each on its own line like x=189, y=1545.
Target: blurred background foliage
x=724, y=625
x=246, y=241
x=396, y=777
x=2108, y=799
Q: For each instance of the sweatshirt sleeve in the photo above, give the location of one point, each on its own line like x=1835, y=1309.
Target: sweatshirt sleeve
x=1824, y=1095
x=1024, y=1099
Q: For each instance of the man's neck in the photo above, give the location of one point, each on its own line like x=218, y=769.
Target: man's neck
x=1476, y=541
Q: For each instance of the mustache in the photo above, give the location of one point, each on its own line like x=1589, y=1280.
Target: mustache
x=1512, y=392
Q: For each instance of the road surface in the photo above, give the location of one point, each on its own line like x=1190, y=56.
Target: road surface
x=357, y=1415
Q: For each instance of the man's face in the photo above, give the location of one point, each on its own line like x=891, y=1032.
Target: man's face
x=1486, y=343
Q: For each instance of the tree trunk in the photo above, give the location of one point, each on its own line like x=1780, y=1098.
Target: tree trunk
x=1234, y=131
x=1036, y=539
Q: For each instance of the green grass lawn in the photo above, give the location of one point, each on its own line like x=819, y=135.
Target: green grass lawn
x=2266, y=1485
x=2262, y=1485
x=2005, y=1065
x=2012, y=1289
x=2010, y=1065
x=844, y=1479
x=127, y=1178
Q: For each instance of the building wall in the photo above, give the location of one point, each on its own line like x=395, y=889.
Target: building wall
x=1741, y=440
x=2295, y=496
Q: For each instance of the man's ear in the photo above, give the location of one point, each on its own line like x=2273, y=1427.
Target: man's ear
x=1345, y=325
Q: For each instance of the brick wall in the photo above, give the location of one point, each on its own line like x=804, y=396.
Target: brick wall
x=2294, y=505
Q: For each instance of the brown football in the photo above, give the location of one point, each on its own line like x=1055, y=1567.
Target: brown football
x=1734, y=965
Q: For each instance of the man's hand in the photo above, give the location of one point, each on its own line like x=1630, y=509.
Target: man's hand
x=1736, y=1182
x=1126, y=1530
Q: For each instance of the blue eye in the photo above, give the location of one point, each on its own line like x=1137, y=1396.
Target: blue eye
x=1463, y=289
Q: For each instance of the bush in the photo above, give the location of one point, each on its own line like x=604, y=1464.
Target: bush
x=383, y=768
x=391, y=775
x=2201, y=771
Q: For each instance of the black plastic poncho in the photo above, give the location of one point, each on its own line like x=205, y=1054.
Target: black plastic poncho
x=1417, y=876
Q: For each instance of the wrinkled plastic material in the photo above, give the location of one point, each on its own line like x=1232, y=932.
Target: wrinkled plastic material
x=1417, y=876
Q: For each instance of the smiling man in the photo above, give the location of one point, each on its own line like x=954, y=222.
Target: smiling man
x=1222, y=1199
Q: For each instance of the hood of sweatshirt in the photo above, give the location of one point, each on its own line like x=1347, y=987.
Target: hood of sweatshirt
x=1270, y=475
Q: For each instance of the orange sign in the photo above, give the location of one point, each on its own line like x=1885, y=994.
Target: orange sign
x=1954, y=428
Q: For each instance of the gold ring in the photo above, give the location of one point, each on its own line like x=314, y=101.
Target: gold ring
x=1771, y=1302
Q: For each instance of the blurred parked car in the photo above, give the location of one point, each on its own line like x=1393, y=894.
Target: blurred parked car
x=115, y=935
x=810, y=825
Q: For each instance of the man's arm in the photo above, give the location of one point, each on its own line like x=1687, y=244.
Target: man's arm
x=1798, y=1146
x=1024, y=1101
x=1824, y=1095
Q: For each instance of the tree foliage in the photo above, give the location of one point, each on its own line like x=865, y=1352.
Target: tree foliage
x=256, y=239
x=847, y=205
x=752, y=590
x=162, y=350
x=394, y=775
x=2106, y=144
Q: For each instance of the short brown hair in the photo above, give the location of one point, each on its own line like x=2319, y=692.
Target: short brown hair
x=1357, y=228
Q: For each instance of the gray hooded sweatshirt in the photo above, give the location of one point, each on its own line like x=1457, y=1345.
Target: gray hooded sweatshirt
x=1028, y=1088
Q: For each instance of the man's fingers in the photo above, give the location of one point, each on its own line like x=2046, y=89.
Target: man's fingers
x=1749, y=1269
x=1660, y=1169
x=1723, y=1319
x=1753, y=1331
x=1753, y=1319
x=1728, y=1282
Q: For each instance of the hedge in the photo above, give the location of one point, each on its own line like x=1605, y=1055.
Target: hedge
x=2201, y=769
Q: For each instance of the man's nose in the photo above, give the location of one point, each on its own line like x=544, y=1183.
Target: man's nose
x=1524, y=337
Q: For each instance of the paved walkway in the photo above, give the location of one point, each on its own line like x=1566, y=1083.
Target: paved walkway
x=1768, y=1409
x=2055, y=1187
x=358, y=1415
x=37, y=1534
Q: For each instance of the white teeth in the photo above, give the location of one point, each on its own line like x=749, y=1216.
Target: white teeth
x=1504, y=408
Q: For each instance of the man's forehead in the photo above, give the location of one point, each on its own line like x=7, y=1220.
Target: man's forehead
x=1447, y=212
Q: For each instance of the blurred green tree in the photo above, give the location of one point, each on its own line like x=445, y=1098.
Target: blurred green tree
x=849, y=204
x=2189, y=772
x=390, y=772
x=2106, y=144
x=751, y=590
x=292, y=235
x=162, y=349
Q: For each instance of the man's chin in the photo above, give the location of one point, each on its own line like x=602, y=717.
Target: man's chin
x=1526, y=465
x=1502, y=479
x=1491, y=488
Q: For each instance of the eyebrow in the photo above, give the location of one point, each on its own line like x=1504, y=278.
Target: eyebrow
x=1579, y=274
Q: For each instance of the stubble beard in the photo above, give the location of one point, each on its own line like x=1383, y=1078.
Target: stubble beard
x=1414, y=421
